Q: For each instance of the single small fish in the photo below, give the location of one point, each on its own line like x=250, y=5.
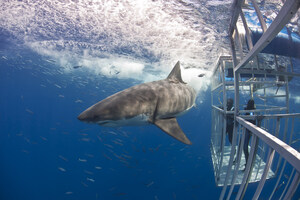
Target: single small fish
x=100, y=139
x=83, y=130
x=58, y=86
x=120, y=194
x=84, y=184
x=149, y=184
x=88, y=172
x=89, y=155
x=61, y=169
x=68, y=193
x=85, y=139
x=111, y=132
x=43, y=138
x=126, y=156
x=293, y=142
x=29, y=111
x=109, y=146
x=50, y=61
x=286, y=176
x=106, y=156
x=25, y=151
x=279, y=186
x=118, y=143
x=157, y=148
x=82, y=160
x=27, y=140
x=90, y=179
x=63, y=158
x=19, y=134
x=182, y=149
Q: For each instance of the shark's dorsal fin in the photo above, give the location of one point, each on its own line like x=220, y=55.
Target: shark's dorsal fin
x=175, y=74
x=171, y=127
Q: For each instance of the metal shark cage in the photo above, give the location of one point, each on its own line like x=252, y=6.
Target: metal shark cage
x=257, y=70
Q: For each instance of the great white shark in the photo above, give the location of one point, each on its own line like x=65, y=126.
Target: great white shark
x=157, y=102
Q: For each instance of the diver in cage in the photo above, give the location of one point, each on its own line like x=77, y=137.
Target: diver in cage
x=229, y=120
x=250, y=106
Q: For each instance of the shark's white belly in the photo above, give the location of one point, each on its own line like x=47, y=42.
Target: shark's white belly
x=183, y=112
x=139, y=120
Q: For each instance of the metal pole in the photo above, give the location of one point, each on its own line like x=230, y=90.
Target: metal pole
x=260, y=16
x=237, y=164
x=265, y=174
x=288, y=182
x=285, y=14
x=293, y=187
x=248, y=170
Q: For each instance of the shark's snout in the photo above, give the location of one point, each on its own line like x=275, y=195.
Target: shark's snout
x=89, y=115
x=82, y=116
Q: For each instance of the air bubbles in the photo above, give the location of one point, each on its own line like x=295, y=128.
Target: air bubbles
x=119, y=39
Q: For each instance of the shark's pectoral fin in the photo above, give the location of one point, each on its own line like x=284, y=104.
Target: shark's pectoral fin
x=171, y=127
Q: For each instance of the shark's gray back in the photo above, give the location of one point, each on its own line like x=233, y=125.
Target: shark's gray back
x=173, y=98
x=158, y=99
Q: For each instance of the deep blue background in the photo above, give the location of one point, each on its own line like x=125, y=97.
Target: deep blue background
x=40, y=134
x=43, y=145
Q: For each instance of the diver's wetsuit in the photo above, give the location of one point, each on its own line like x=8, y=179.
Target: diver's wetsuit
x=250, y=106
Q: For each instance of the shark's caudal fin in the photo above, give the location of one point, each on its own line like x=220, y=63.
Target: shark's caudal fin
x=175, y=74
x=171, y=127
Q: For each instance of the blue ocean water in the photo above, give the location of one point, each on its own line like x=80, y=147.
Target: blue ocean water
x=47, y=78
x=46, y=153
